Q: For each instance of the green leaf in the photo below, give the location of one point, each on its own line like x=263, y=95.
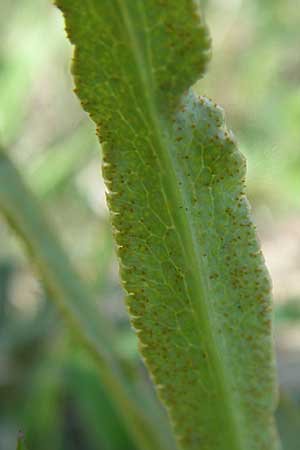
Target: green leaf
x=72, y=298
x=21, y=442
x=198, y=290
x=49, y=172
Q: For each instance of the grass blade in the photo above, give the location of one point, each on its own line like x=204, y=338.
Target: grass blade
x=70, y=294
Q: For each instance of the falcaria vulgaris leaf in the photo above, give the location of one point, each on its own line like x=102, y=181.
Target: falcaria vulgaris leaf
x=197, y=288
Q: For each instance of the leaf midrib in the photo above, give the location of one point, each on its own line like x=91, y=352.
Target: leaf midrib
x=203, y=311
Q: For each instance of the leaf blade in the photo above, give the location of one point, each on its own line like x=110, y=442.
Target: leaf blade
x=21, y=441
x=71, y=296
x=170, y=283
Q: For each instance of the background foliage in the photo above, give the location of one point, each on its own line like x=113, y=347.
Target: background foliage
x=48, y=386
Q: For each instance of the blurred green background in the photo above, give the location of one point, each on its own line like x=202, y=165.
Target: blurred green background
x=49, y=387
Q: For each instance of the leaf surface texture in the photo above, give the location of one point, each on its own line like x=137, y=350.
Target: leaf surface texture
x=198, y=290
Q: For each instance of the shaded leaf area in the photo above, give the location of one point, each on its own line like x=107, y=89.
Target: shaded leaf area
x=51, y=387
x=21, y=442
x=23, y=213
x=198, y=290
x=72, y=297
